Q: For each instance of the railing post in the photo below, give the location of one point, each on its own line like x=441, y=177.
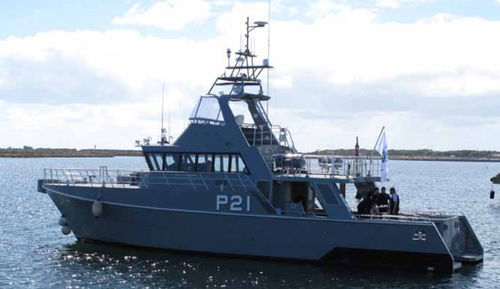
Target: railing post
x=228, y=181
x=90, y=178
x=191, y=181
x=203, y=181
x=254, y=135
x=261, y=134
x=241, y=182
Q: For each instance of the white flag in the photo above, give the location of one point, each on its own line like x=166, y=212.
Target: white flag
x=381, y=148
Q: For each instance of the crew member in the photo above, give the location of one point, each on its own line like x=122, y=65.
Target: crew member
x=365, y=206
x=394, y=202
x=375, y=197
x=383, y=201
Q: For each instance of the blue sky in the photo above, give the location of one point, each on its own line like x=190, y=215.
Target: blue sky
x=24, y=18
x=85, y=73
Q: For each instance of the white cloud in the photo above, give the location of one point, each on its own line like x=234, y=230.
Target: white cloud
x=84, y=125
x=125, y=55
x=389, y=3
x=222, y=3
x=343, y=13
x=396, y=3
x=340, y=69
x=462, y=84
x=366, y=51
x=168, y=15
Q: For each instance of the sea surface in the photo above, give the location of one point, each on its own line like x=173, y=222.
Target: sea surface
x=34, y=253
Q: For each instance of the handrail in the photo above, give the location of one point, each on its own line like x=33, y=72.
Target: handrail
x=260, y=135
x=348, y=167
x=401, y=218
x=112, y=178
x=241, y=181
x=412, y=215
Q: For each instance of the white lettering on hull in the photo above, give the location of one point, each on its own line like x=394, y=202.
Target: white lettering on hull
x=235, y=203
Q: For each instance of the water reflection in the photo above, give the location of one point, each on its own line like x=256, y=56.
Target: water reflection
x=111, y=266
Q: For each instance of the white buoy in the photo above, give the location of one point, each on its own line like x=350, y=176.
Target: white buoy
x=62, y=221
x=65, y=230
x=97, y=208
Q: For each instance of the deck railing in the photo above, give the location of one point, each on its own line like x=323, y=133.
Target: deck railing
x=262, y=135
x=411, y=216
x=328, y=166
x=401, y=218
x=349, y=166
x=92, y=177
x=124, y=178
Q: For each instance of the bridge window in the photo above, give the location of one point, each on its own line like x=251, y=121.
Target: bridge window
x=233, y=164
x=191, y=162
x=226, y=162
x=220, y=163
x=155, y=160
x=188, y=163
x=171, y=162
x=204, y=163
x=238, y=165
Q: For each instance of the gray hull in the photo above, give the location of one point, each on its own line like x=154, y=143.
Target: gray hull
x=276, y=237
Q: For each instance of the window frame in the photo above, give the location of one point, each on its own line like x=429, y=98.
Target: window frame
x=160, y=164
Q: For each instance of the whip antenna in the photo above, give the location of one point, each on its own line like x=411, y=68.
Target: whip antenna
x=162, y=103
x=163, y=135
x=268, y=49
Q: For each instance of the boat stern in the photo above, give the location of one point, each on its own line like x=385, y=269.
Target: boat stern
x=459, y=237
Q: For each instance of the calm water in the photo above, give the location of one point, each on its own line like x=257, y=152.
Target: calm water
x=34, y=254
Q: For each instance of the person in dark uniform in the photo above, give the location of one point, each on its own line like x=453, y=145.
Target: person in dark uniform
x=394, y=202
x=383, y=201
x=375, y=199
x=365, y=207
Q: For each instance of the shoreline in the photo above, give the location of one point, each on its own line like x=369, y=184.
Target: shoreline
x=106, y=153
x=66, y=153
x=423, y=159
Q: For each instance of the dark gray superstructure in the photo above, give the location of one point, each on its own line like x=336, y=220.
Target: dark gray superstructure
x=230, y=188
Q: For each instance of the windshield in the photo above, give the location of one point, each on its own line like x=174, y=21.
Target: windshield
x=207, y=110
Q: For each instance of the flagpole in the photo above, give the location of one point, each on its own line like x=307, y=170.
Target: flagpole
x=375, y=147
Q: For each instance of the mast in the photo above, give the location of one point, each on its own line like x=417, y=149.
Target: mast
x=242, y=83
x=244, y=73
x=242, y=78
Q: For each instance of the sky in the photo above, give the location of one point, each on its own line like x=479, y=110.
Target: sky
x=79, y=74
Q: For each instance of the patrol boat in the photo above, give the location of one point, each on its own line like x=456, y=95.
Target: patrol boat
x=231, y=188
